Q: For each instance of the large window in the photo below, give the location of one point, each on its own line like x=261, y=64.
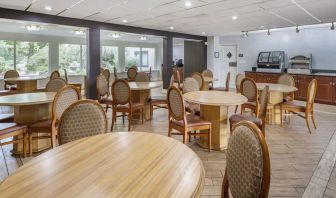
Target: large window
x=136, y=55
x=132, y=56
x=109, y=57
x=147, y=58
x=72, y=57
x=6, y=56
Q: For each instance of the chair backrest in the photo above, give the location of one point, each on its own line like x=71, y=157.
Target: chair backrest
x=121, y=92
x=11, y=74
x=207, y=73
x=239, y=79
x=132, y=73
x=286, y=79
x=54, y=74
x=106, y=73
x=102, y=86
x=190, y=84
x=55, y=84
x=263, y=101
x=176, y=105
x=63, y=99
x=199, y=78
x=311, y=93
x=115, y=73
x=81, y=119
x=247, y=171
x=134, y=67
x=249, y=89
x=66, y=76
x=141, y=77
x=227, y=83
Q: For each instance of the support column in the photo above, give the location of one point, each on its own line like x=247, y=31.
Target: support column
x=167, y=68
x=93, y=57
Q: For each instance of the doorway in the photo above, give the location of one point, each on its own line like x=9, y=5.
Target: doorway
x=228, y=59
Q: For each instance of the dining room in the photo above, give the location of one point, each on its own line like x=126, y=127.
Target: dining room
x=186, y=98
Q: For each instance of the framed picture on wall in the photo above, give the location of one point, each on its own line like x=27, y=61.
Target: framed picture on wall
x=216, y=54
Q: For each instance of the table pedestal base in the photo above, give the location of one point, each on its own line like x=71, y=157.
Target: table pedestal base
x=26, y=86
x=141, y=96
x=273, y=114
x=218, y=116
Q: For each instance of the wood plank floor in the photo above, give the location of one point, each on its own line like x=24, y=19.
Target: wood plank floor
x=295, y=154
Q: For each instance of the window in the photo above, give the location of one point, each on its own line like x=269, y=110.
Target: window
x=72, y=57
x=136, y=55
x=147, y=58
x=6, y=56
x=32, y=58
x=110, y=57
x=132, y=56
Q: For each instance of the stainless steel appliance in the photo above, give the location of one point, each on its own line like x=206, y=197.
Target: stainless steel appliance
x=301, y=64
x=271, y=61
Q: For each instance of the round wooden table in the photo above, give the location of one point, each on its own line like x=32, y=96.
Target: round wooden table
x=276, y=97
x=29, y=108
x=207, y=81
x=25, y=83
x=214, y=107
x=111, y=165
x=141, y=93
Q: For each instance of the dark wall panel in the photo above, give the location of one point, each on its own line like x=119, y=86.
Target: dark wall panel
x=194, y=59
x=167, y=65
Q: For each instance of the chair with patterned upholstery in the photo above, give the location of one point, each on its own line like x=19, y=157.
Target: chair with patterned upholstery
x=175, y=79
x=208, y=73
x=239, y=78
x=286, y=79
x=103, y=91
x=247, y=172
x=259, y=121
x=82, y=119
x=63, y=99
x=132, y=73
x=297, y=108
x=190, y=84
x=141, y=77
x=10, y=74
x=182, y=123
x=199, y=78
x=54, y=74
x=227, y=84
x=107, y=74
x=77, y=85
x=55, y=84
x=121, y=93
x=249, y=89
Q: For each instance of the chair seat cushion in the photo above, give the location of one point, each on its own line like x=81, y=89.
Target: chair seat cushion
x=159, y=98
x=293, y=105
x=238, y=118
x=6, y=116
x=126, y=106
x=6, y=128
x=193, y=108
x=41, y=124
x=192, y=121
x=107, y=101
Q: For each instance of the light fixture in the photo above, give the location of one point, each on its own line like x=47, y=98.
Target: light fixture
x=246, y=34
x=79, y=32
x=116, y=35
x=143, y=38
x=234, y=17
x=268, y=32
x=171, y=27
x=187, y=4
x=33, y=27
x=125, y=21
x=262, y=26
x=332, y=26
x=48, y=8
x=203, y=33
x=297, y=29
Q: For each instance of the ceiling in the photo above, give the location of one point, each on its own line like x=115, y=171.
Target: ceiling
x=208, y=17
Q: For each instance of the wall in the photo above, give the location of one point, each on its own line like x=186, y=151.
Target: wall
x=178, y=52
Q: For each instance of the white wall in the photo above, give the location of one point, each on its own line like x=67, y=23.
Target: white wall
x=178, y=52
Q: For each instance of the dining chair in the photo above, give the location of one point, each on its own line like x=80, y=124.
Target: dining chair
x=106, y=73
x=190, y=84
x=199, y=78
x=141, y=77
x=63, y=99
x=248, y=88
x=259, y=121
x=227, y=84
x=10, y=74
x=103, y=91
x=286, y=79
x=248, y=171
x=132, y=73
x=239, y=78
x=208, y=73
x=81, y=119
x=297, y=108
x=55, y=84
x=175, y=79
x=182, y=123
x=121, y=93
x=115, y=73
x=77, y=85
x=13, y=133
x=135, y=67
x=55, y=74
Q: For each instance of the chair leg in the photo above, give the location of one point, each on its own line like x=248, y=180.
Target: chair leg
x=169, y=130
x=113, y=119
x=313, y=119
x=24, y=143
x=281, y=118
x=129, y=120
x=106, y=108
x=185, y=138
x=151, y=110
x=209, y=139
x=307, y=122
x=30, y=144
x=142, y=116
x=123, y=117
x=241, y=110
x=236, y=109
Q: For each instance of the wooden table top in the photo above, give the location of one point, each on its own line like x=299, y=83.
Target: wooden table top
x=27, y=99
x=124, y=164
x=209, y=79
x=25, y=78
x=277, y=87
x=144, y=85
x=215, y=98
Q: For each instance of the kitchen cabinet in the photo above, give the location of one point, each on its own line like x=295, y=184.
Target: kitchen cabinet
x=252, y=75
x=334, y=89
x=267, y=77
x=325, y=90
x=302, y=85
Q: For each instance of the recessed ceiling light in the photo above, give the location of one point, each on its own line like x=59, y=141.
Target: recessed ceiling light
x=33, y=27
x=262, y=26
x=187, y=4
x=116, y=35
x=171, y=27
x=143, y=38
x=125, y=21
x=203, y=33
x=234, y=17
x=79, y=32
x=297, y=29
x=268, y=32
x=332, y=26
x=48, y=8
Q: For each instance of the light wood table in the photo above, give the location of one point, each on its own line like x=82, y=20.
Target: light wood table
x=214, y=107
x=29, y=108
x=111, y=165
x=207, y=81
x=25, y=83
x=141, y=94
x=276, y=96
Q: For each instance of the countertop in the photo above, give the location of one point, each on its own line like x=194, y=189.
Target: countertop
x=312, y=74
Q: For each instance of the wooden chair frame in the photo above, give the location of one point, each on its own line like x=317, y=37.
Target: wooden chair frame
x=56, y=74
x=101, y=95
x=265, y=184
x=291, y=94
x=12, y=132
x=11, y=76
x=254, y=108
x=130, y=78
x=238, y=86
x=200, y=75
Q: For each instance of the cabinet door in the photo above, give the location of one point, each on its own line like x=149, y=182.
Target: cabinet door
x=262, y=77
x=252, y=75
x=273, y=78
x=296, y=94
x=303, y=82
x=334, y=89
x=324, y=92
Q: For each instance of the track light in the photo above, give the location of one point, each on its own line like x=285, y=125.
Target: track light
x=297, y=29
x=332, y=26
x=246, y=34
x=268, y=32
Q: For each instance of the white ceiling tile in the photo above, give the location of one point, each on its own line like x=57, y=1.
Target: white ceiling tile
x=15, y=4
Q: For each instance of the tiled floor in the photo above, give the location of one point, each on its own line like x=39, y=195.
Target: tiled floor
x=295, y=154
